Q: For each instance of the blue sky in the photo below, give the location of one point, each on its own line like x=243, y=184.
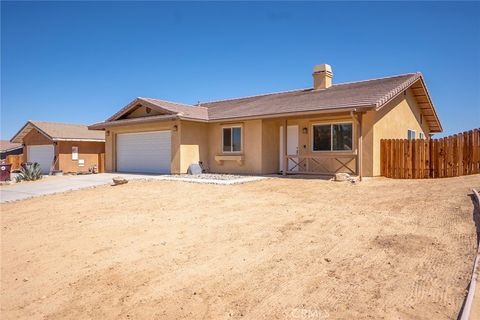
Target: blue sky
x=79, y=62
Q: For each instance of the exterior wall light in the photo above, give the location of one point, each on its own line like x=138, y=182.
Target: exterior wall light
x=305, y=130
x=175, y=128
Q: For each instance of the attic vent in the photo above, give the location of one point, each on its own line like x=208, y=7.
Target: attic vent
x=148, y=110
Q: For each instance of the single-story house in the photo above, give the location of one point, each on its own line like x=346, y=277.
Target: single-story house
x=70, y=148
x=8, y=148
x=329, y=128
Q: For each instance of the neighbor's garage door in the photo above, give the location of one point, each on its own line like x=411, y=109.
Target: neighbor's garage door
x=43, y=155
x=147, y=152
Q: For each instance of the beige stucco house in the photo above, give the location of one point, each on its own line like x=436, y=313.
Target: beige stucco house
x=329, y=128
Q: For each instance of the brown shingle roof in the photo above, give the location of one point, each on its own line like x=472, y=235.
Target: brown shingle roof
x=368, y=94
x=6, y=145
x=60, y=131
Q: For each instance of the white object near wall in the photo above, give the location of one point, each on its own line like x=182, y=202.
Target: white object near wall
x=74, y=153
x=81, y=162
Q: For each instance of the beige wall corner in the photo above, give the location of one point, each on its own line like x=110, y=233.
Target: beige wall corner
x=393, y=121
x=193, y=144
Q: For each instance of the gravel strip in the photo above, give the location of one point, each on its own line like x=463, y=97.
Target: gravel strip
x=212, y=178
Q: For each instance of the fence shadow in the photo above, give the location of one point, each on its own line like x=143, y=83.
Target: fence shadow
x=476, y=220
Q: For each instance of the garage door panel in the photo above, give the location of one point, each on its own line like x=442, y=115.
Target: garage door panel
x=43, y=155
x=148, y=152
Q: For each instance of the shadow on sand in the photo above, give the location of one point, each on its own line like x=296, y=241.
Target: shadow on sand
x=476, y=220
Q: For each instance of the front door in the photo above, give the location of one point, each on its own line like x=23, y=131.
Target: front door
x=292, y=147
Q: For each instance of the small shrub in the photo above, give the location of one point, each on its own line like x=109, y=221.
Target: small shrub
x=29, y=172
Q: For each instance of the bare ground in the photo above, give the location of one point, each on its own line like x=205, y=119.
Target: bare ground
x=275, y=249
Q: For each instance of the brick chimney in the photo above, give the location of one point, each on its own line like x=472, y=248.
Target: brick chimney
x=322, y=76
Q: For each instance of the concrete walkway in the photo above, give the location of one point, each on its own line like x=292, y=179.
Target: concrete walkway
x=56, y=184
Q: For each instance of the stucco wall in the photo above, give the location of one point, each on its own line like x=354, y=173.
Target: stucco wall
x=251, y=148
x=193, y=144
x=393, y=122
x=270, y=145
x=110, y=146
x=87, y=151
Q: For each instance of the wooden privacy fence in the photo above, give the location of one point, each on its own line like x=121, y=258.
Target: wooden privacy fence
x=452, y=156
x=15, y=161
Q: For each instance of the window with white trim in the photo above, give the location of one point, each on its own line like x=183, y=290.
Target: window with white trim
x=332, y=137
x=421, y=135
x=232, y=139
x=411, y=134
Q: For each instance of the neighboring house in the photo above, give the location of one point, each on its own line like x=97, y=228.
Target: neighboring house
x=330, y=128
x=8, y=148
x=60, y=146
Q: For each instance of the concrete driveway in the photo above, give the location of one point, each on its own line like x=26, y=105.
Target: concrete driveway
x=56, y=184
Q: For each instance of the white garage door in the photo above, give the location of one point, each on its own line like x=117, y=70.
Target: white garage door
x=147, y=152
x=43, y=155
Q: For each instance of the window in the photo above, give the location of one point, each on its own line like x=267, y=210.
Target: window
x=332, y=137
x=421, y=135
x=411, y=134
x=74, y=153
x=232, y=139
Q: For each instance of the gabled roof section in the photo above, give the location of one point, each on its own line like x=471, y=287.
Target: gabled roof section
x=59, y=132
x=425, y=104
x=360, y=95
x=165, y=107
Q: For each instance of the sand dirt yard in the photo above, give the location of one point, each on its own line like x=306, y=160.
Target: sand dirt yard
x=274, y=249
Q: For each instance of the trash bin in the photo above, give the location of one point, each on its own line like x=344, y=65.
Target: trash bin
x=5, y=172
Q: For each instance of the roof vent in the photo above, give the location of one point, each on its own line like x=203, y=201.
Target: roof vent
x=322, y=76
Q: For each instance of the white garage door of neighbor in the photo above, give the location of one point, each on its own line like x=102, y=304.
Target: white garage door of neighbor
x=144, y=152
x=43, y=155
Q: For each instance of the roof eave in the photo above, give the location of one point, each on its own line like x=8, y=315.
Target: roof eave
x=118, y=123
x=11, y=149
x=359, y=108
x=433, y=106
x=401, y=89
x=79, y=139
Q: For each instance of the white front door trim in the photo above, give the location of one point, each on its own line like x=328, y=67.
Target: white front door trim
x=292, y=146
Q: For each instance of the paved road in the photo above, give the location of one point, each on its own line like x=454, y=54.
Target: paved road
x=52, y=184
